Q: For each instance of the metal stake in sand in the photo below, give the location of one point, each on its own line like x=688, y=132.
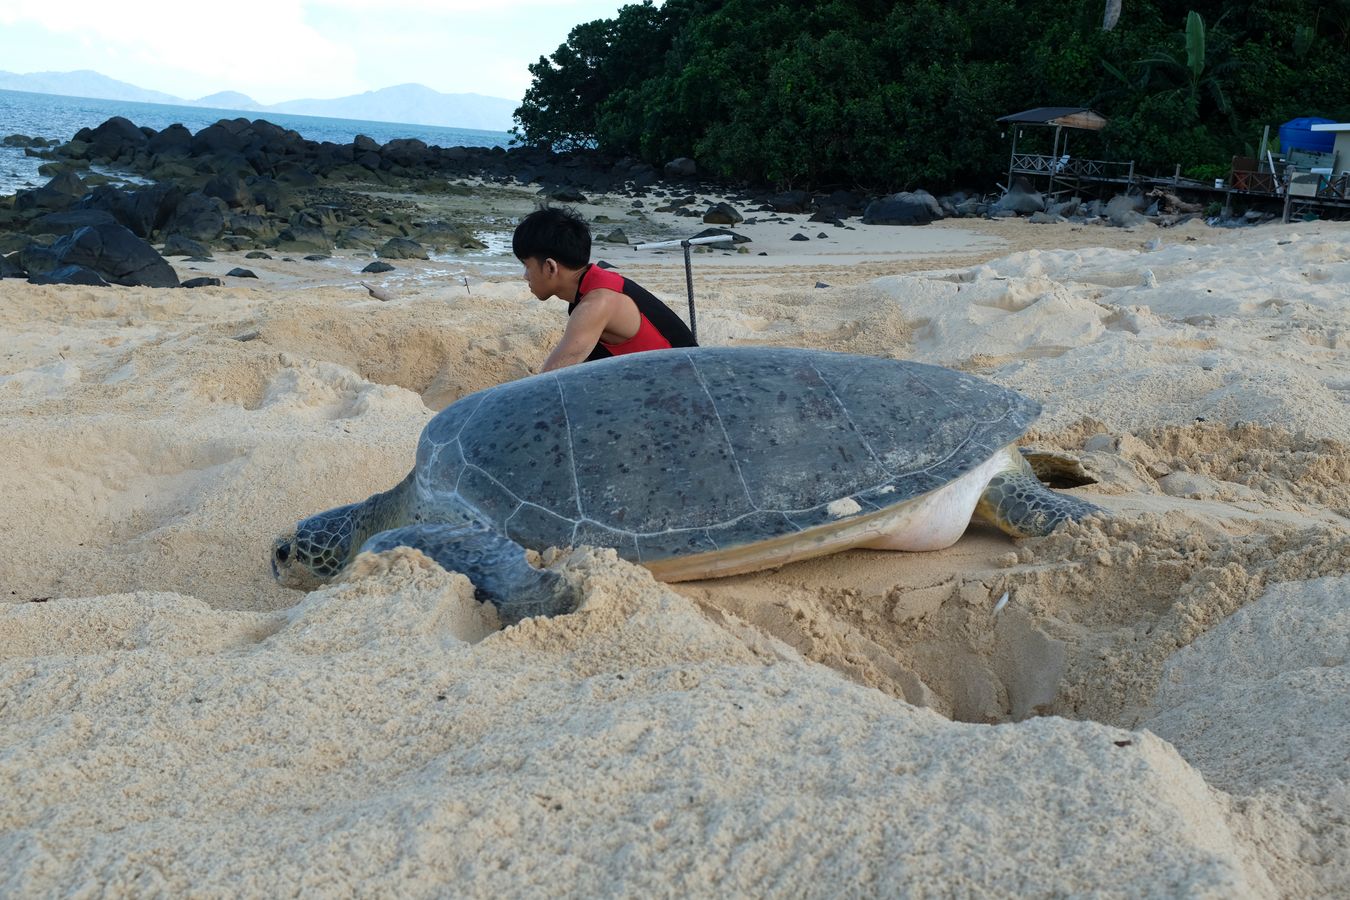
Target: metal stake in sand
x=688, y=266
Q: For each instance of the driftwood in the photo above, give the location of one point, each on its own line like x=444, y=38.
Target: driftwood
x=1171, y=203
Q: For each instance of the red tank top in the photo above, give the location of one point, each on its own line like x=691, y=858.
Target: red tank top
x=647, y=337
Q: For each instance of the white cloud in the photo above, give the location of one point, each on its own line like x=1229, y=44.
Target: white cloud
x=261, y=45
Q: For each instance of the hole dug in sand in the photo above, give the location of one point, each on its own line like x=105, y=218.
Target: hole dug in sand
x=1095, y=610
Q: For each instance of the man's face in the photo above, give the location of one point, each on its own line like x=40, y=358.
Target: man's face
x=541, y=276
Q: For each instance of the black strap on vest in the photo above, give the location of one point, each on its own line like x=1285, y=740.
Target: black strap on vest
x=662, y=317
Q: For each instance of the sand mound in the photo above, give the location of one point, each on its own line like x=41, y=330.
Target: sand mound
x=376, y=737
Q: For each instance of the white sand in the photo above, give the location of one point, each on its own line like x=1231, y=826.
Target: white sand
x=173, y=722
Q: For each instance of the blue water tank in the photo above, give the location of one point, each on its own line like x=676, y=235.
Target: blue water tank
x=1297, y=134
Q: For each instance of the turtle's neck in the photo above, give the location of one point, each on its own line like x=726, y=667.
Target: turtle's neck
x=382, y=511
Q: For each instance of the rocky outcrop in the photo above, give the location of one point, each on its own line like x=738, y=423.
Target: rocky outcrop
x=112, y=251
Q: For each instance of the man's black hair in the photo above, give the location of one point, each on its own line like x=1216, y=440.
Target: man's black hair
x=553, y=233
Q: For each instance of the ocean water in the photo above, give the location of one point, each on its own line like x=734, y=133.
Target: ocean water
x=56, y=117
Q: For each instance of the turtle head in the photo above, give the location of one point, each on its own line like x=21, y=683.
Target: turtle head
x=321, y=546
x=317, y=549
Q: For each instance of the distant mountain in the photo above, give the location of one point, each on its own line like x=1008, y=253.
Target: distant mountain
x=84, y=83
x=412, y=104
x=228, y=100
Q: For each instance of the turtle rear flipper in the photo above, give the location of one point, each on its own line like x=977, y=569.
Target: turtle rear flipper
x=1018, y=503
x=496, y=566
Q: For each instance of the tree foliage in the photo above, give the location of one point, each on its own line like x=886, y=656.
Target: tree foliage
x=901, y=94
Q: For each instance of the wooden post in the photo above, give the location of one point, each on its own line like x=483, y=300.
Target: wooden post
x=1288, y=195
x=1054, y=160
x=1013, y=156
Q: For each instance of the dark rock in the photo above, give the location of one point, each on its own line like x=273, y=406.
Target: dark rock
x=1045, y=218
x=360, y=238
x=904, y=208
x=439, y=234
x=722, y=214
x=202, y=281
x=68, y=221
x=1123, y=211
x=565, y=195
x=59, y=193
x=10, y=267
x=315, y=257
x=231, y=189
x=178, y=245
x=827, y=217
x=198, y=217
x=821, y=284
x=402, y=248
x=110, y=250
x=799, y=237
x=144, y=211
x=257, y=254
x=240, y=273
x=1020, y=201
x=683, y=167
x=363, y=144
x=1067, y=208
x=617, y=236
x=301, y=238
x=790, y=202
x=175, y=140
x=251, y=226
x=70, y=275
x=117, y=138
x=972, y=207
x=406, y=152
x=378, y=266
x=732, y=237
x=17, y=140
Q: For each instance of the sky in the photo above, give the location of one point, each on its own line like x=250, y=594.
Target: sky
x=275, y=50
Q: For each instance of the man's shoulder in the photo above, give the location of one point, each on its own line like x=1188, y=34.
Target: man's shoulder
x=604, y=279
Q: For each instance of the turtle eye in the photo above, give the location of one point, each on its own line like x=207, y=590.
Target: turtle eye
x=283, y=552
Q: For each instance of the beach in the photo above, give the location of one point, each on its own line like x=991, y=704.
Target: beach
x=1160, y=708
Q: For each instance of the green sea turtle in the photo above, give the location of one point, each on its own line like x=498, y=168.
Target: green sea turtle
x=696, y=463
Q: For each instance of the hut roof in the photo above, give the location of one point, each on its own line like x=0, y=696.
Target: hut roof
x=1067, y=116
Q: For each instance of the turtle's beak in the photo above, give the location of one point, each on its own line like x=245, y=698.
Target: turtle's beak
x=281, y=554
x=287, y=569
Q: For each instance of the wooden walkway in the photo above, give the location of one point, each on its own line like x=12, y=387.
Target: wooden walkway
x=1065, y=174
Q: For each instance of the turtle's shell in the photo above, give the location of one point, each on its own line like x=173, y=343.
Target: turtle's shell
x=681, y=452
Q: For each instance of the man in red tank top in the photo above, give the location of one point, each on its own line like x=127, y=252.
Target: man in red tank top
x=608, y=315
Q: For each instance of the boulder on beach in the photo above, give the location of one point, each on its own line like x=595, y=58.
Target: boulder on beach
x=70, y=275
x=178, y=245
x=112, y=251
x=682, y=167
x=722, y=214
x=198, y=217
x=903, y=208
x=402, y=248
x=1019, y=201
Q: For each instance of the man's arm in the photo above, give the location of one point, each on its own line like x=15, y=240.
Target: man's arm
x=584, y=328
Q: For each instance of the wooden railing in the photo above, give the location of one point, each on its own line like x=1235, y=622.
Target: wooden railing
x=1334, y=187
x=1255, y=182
x=1070, y=167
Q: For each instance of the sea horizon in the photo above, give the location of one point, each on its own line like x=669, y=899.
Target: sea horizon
x=59, y=117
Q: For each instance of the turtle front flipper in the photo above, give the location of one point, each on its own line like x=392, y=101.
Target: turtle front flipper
x=1018, y=503
x=496, y=566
